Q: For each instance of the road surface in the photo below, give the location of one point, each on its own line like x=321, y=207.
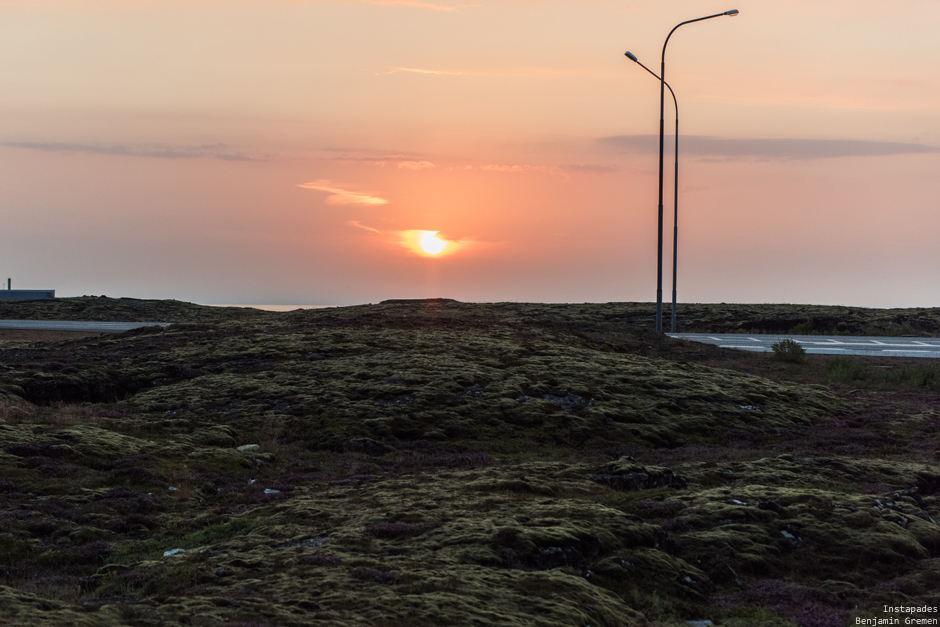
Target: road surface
x=825, y=344
x=72, y=325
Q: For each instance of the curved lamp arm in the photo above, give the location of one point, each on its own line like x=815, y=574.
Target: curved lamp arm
x=730, y=13
x=633, y=58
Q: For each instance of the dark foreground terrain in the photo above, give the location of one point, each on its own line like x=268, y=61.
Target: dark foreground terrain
x=440, y=463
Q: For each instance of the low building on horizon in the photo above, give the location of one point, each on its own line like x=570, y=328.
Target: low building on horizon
x=26, y=294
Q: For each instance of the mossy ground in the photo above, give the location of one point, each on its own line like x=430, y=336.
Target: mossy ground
x=441, y=463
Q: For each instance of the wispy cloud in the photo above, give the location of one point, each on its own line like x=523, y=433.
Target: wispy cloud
x=506, y=72
x=414, y=70
x=415, y=165
x=588, y=168
x=382, y=160
x=415, y=3
x=767, y=149
x=419, y=163
x=153, y=151
x=560, y=170
x=360, y=225
x=370, y=157
x=340, y=196
x=518, y=169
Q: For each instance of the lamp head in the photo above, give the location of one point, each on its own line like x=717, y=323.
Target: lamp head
x=631, y=56
x=732, y=12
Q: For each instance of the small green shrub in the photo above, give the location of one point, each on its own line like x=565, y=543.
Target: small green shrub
x=788, y=350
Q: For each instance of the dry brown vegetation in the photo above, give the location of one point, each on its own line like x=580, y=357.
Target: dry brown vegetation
x=443, y=463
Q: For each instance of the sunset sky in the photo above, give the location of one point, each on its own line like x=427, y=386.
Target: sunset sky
x=311, y=152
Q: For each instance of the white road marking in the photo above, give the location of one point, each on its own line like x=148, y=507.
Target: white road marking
x=873, y=345
x=821, y=345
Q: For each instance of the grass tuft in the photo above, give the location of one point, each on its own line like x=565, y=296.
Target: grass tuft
x=788, y=350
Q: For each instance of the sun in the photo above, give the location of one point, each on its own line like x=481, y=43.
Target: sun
x=431, y=243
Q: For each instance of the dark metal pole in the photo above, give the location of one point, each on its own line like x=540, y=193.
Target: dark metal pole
x=675, y=222
x=662, y=106
x=675, y=230
x=659, y=238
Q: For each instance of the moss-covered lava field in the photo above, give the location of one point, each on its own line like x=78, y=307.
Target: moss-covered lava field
x=435, y=463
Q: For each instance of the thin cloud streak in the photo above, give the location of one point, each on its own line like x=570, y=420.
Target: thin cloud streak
x=340, y=196
x=360, y=225
x=767, y=149
x=405, y=3
x=587, y=168
x=413, y=70
x=520, y=72
x=415, y=165
x=210, y=151
x=561, y=170
x=414, y=3
x=382, y=161
x=518, y=169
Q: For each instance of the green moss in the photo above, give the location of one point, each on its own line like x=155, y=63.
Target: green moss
x=451, y=464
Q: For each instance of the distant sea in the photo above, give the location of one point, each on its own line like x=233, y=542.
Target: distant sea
x=273, y=307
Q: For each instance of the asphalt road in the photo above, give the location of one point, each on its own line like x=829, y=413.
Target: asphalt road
x=825, y=344
x=72, y=325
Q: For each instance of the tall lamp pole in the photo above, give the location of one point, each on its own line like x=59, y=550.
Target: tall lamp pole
x=675, y=196
x=662, y=124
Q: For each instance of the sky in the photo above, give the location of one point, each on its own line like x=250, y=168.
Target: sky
x=338, y=152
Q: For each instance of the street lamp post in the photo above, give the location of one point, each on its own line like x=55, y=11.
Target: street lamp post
x=662, y=124
x=675, y=196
